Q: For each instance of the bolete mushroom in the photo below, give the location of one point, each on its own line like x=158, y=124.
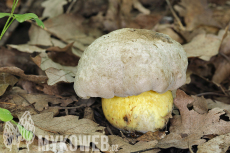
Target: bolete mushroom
x=133, y=71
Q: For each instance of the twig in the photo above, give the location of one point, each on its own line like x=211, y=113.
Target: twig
x=221, y=87
x=225, y=34
x=14, y=25
x=108, y=128
x=66, y=112
x=137, y=5
x=225, y=56
x=7, y=103
x=29, y=104
x=123, y=136
x=71, y=6
x=210, y=93
x=175, y=16
x=190, y=148
x=218, y=85
x=58, y=107
x=18, y=72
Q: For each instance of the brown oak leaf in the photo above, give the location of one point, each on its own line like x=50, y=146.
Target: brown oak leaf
x=189, y=127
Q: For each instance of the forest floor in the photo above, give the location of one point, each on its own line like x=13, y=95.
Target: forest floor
x=38, y=66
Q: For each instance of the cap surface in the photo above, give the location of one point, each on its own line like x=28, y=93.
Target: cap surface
x=128, y=62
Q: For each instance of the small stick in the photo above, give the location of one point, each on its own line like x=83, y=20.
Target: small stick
x=7, y=103
x=218, y=85
x=30, y=104
x=225, y=56
x=210, y=93
x=59, y=107
x=108, y=128
x=70, y=6
x=175, y=16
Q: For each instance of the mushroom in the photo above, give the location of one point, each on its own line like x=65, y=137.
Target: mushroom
x=133, y=71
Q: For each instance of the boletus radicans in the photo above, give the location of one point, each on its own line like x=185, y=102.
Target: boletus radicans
x=133, y=71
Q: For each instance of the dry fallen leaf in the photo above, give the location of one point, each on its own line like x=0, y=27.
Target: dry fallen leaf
x=6, y=80
x=85, y=7
x=70, y=28
x=39, y=36
x=29, y=86
x=217, y=104
x=47, y=124
x=142, y=21
x=122, y=18
x=19, y=100
x=33, y=147
x=221, y=13
x=59, y=90
x=201, y=68
x=54, y=71
x=27, y=48
x=63, y=56
x=219, y=144
x=140, y=7
x=225, y=46
x=13, y=58
x=58, y=75
x=189, y=35
x=3, y=88
x=203, y=46
x=195, y=13
x=62, y=46
x=49, y=90
x=67, y=125
x=222, y=71
x=188, y=128
x=110, y=21
x=200, y=105
x=88, y=113
x=188, y=78
x=124, y=146
x=168, y=30
x=53, y=8
x=222, y=62
x=18, y=72
x=150, y=136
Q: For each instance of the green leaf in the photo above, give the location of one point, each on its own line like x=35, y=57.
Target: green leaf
x=28, y=135
x=4, y=14
x=23, y=17
x=28, y=16
x=39, y=22
x=5, y=115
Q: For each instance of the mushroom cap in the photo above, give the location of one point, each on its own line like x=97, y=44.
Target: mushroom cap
x=128, y=62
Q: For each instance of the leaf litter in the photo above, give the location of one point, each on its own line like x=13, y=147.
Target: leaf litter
x=39, y=72
x=188, y=128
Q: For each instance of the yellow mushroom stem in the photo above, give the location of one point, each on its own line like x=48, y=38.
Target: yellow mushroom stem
x=148, y=111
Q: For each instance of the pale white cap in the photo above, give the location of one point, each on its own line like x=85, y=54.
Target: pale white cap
x=128, y=62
